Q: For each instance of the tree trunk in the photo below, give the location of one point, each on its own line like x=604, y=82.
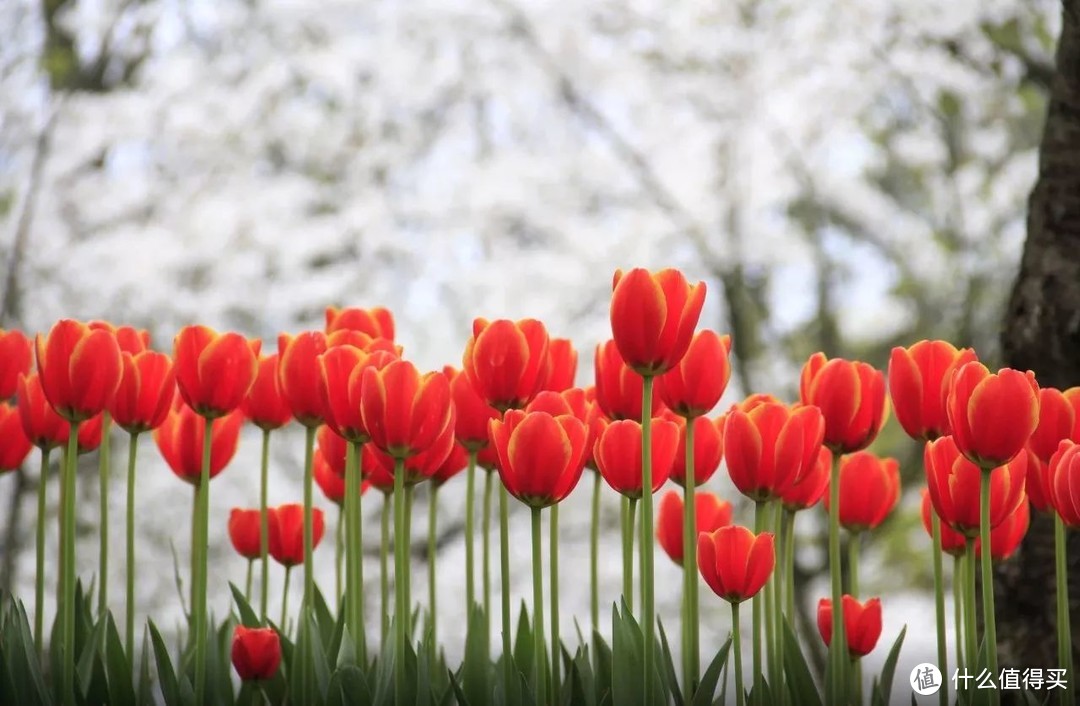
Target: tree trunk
x=1042, y=333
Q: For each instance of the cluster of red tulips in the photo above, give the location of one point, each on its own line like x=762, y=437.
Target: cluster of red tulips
x=992, y=441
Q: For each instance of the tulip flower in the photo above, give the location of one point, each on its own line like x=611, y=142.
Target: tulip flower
x=618, y=388
x=14, y=445
x=264, y=404
x=341, y=371
x=377, y=322
x=1037, y=483
x=181, y=437
x=244, y=535
x=771, y=447
x=256, y=653
x=507, y=362
x=287, y=533
x=562, y=365
x=1057, y=419
x=16, y=356
x=1064, y=486
x=919, y=377
x=862, y=624
x=992, y=415
x=712, y=514
x=952, y=542
x=473, y=412
x=298, y=375
x=696, y=384
x=130, y=339
x=811, y=487
x=619, y=456
x=953, y=482
x=1005, y=539
x=214, y=372
x=653, y=317
x=851, y=397
x=708, y=449
x=146, y=392
x=869, y=490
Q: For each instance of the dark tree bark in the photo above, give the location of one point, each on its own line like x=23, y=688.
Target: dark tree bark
x=1042, y=333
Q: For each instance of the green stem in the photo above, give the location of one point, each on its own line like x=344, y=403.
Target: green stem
x=433, y=513
x=247, y=581
x=407, y=550
x=594, y=552
x=939, y=605
x=486, y=530
x=202, y=505
x=648, y=611
x=989, y=620
x=1064, y=632
x=285, y=601
x=958, y=609
x=339, y=555
x=129, y=617
x=504, y=566
x=39, y=586
x=838, y=653
x=264, y=525
x=354, y=551
x=853, y=582
x=556, y=657
x=628, y=553
x=470, y=492
x=103, y=499
x=67, y=561
x=758, y=613
x=384, y=574
x=307, y=604
x=971, y=648
x=401, y=618
x=539, y=678
x=789, y=567
x=690, y=606
x=776, y=607
x=737, y=645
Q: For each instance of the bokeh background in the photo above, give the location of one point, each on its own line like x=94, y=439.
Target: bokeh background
x=846, y=175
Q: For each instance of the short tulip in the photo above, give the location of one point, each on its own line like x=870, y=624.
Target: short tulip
x=810, y=488
x=377, y=322
x=1057, y=419
x=14, y=445
x=708, y=449
x=287, y=532
x=147, y=389
x=90, y=433
x=16, y=357
x=771, y=447
x=45, y=428
x=214, y=372
x=507, y=361
x=1064, y=476
x=919, y=377
x=992, y=415
x=869, y=490
x=79, y=368
x=862, y=624
x=180, y=440
x=734, y=562
x=562, y=365
x=712, y=513
x=404, y=412
x=618, y=455
x=953, y=482
x=541, y=457
x=851, y=397
x=696, y=384
x=653, y=317
x=618, y=388
x=256, y=653
x=244, y=532
x=264, y=405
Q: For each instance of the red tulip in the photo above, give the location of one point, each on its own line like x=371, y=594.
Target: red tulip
x=180, y=440
x=256, y=653
x=377, y=322
x=862, y=624
x=329, y=480
x=147, y=389
x=374, y=472
x=734, y=562
x=454, y=464
x=340, y=374
x=953, y=482
x=507, y=361
x=618, y=454
x=45, y=428
x=130, y=339
x=541, y=457
x=771, y=447
x=1064, y=483
x=992, y=416
x=1057, y=419
x=16, y=357
x=708, y=449
x=14, y=446
x=1037, y=483
x=952, y=542
x=1005, y=539
x=1073, y=396
x=245, y=532
x=653, y=317
x=473, y=413
x=811, y=487
x=425, y=464
x=404, y=413
x=618, y=388
x=869, y=490
x=572, y=401
x=298, y=375
x=213, y=371
x=919, y=379
x=79, y=369
x=90, y=433
x=488, y=458
x=264, y=405
x=287, y=532
x=696, y=384
x=562, y=365
x=712, y=513
x=851, y=397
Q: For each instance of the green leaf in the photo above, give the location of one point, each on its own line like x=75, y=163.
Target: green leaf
x=523, y=640
x=324, y=620
x=121, y=679
x=603, y=667
x=580, y=688
x=348, y=685
x=668, y=667
x=888, y=670
x=476, y=683
x=799, y=678
x=248, y=617
x=628, y=659
x=21, y=658
x=146, y=682
x=707, y=686
x=170, y=687
x=84, y=670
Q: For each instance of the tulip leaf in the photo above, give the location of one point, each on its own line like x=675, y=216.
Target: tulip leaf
x=476, y=667
x=603, y=666
x=384, y=669
x=121, y=681
x=333, y=646
x=628, y=659
x=800, y=680
x=324, y=620
x=170, y=688
x=888, y=670
x=707, y=686
x=668, y=667
x=459, y=692
x=20, y=657
x=523, y=640
x=248, y=617
x=580, y=688
x=348, y=686
x=84, y=670
x=146, y=682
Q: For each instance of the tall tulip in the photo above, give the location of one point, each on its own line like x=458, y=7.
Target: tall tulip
x=619, y=390
x=712, y=514
x=289, y=541
x=14, y=444
x=16, y=357
x=507, y=361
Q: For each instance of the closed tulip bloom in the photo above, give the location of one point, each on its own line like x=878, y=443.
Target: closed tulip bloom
x=330, y=482
x=90, y=433
x=696, y=384
x=423, y=465
x=16, y=356
x=1037, y=484
x=862, y=624
x=14, y=445
x=473, y=413
x=341, y=371
x=541, y=457
x=331, y=451
x=708, y=449
x=653, y=317
x=1057, y=419
x=851, y=397
x=455, y=463
x=264, y=405
x=130, y=339
x=712, y=514
x=376, y=322
x=771, y=447
x=256, y=653
x=1005, y=539
x=869, y=490
x=618, y=454
x=572, y=401
x=244, y=532
x=992, y=415
x=810, y=488
x=618, y=387
x=1073, y=396
x=44, y=427
x=147, y=389
x=919, y=379
x=735, y=562
x=953, y=482
x=562, y=365
x=287, y=532
x=180, y=441
x=507, y=361
x=298, y=375
x=1064, y=483
x=79, y=369
x=214, y=372
x=952, y=542
x=404, y=412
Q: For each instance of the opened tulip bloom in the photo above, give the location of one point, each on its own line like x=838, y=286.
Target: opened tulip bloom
x=695, y=385
x=79, y=368
x=618, y=387
x=862, y=624
x=541, y=457
x=213, y=371
x=771, y=447
x=919, y=378
x=653, y=317
x=377, y=322
x=256, y=653
x=16, y=357
x=562, y=365
x=869, y=490
x=507, y=361
x=992, y=415
x=851, y=397
x=712, y=514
